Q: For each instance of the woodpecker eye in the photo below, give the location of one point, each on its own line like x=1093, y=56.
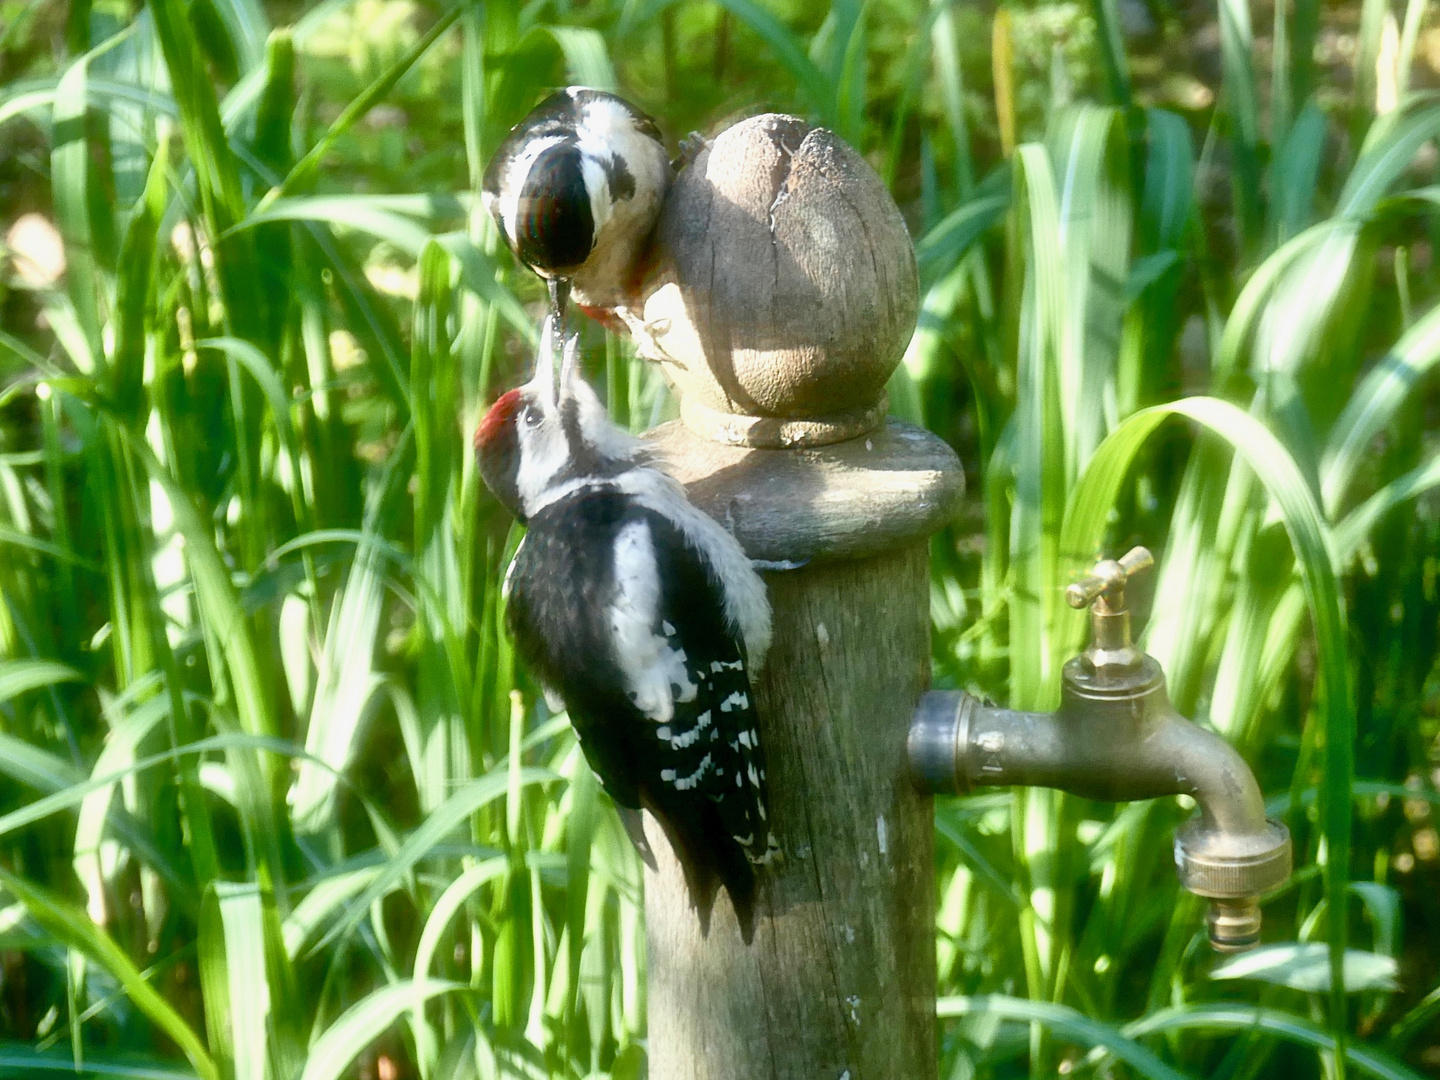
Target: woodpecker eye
x=531, y=416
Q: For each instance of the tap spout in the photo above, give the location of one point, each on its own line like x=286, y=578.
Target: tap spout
x=1117, y=738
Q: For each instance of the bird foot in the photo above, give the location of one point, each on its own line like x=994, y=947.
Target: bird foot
x=646, y=336
x=690, y=147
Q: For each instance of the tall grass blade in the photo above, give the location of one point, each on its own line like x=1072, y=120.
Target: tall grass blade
x=1242, y=110
x=232, y=973
x=364, y=1022
x=216, y=170
x=22, y=676
x=1067, y=1024
x=367, y=100
x=814, y=87
x=1112, y=51
x=587, y=60
x=1372, y=407
x=1286, y=1026
x=454, y=810
x=73, y=927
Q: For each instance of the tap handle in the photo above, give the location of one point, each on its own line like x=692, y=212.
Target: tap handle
x=1107, y=581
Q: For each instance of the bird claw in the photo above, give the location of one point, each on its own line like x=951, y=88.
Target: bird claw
x=778, y=564
x=690, y=147
x=646, y=336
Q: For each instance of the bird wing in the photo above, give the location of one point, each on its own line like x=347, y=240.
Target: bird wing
x=614, y=608
x=686, y=673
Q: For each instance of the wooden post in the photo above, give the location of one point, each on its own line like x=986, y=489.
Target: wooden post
x=839, y=980
x=781, y=296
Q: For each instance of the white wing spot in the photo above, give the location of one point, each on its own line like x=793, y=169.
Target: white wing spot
x=668, y=775
x=745, y=739
x=745, y=604
x=662, y=733
x=685, y=783
x=737, y=700
x=669, y=630
x=655, y=673
x=753, y=778
x=687, y=738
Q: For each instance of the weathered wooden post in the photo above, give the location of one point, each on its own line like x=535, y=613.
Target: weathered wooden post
x=784, y=297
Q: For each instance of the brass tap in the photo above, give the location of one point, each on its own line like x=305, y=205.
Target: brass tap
x=1103, y=591
x=1116, y=737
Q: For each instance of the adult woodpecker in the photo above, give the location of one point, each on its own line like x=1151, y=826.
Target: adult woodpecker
x=576, y=189
x=643, y=616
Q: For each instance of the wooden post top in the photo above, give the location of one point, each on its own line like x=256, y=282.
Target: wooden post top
x=781, y=288
x=896, y=485
x=781, y=297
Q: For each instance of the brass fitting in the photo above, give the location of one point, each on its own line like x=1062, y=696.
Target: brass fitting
x=1103, y=591
x=1116, y=737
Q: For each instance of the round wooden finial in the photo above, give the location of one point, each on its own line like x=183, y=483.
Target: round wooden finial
x=784, y=290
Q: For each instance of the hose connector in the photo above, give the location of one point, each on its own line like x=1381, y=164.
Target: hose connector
x=1232, y=872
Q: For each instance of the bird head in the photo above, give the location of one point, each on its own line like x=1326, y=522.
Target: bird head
x=576, y=189
x=551, y=436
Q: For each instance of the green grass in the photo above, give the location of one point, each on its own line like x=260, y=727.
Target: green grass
x=275, y=800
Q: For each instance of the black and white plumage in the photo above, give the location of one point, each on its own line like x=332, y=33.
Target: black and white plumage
x=644, y=616
x=576, y=188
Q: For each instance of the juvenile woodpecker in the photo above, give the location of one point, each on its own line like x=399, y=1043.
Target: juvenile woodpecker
x=576, y=189
x=644, y=616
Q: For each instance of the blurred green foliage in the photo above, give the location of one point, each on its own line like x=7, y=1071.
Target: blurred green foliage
x=274, y=799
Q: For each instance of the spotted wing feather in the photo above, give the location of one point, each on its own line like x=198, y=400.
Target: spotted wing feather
x=714, y=740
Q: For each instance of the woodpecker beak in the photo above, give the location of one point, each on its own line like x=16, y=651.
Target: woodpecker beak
x=570, y=365
x=543, y=384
